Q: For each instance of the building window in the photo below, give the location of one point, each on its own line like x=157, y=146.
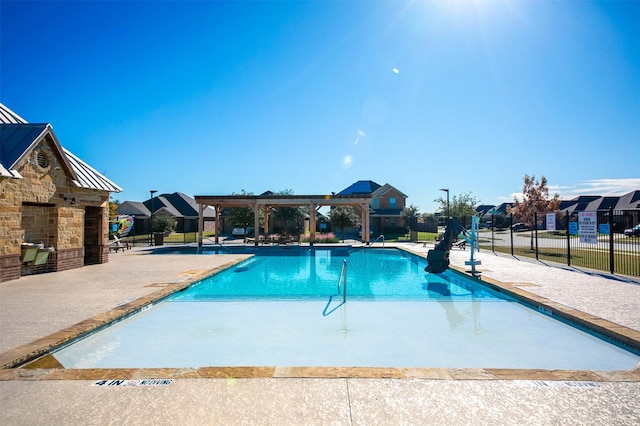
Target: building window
x=376, y=203
x=392, y=203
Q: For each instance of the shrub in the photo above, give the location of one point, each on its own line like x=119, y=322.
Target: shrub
x=320, y=238
x=164, y=224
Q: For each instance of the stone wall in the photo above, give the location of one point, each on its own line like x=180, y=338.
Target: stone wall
x=45, y=206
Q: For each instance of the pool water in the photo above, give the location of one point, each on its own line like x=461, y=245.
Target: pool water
x=276, y=309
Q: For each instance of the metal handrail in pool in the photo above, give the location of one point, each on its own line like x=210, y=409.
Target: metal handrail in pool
x=376, y=240
x=343, y=273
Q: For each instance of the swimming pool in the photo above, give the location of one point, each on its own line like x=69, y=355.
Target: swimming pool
x=275, y=309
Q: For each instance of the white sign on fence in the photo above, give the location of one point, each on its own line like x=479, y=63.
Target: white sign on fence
x=551, y=221
x=588, y=224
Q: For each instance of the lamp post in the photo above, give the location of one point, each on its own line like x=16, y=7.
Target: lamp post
x=448, y=214
x=153, y=191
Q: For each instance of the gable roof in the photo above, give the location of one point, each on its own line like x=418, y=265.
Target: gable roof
x=9, y=117
x=629, y=201
x=176, y=205
x=386, y=188
x=18, y=138
x=88, y=177
x=133, y=208
x=360, y=187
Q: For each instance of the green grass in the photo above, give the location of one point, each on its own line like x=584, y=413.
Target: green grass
x=583, y=258
x=422, y=236
x=173, y=238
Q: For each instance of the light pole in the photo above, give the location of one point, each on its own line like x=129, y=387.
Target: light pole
x=153, y=191
x=448, y=214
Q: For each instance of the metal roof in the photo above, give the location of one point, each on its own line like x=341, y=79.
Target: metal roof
x=88, y=177
x=360, y=187
x=18, y=138
x=9, y=117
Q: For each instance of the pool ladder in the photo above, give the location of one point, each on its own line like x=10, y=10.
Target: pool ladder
x=341, y=289
x=343, y=278
x=378, y=239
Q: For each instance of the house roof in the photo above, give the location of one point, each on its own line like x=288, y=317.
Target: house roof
x=483, y=209
x=360, y=187
x=629, y=201
x=134, y=208
x=88, y=177
x=386, y=188
x=9, y=117
x=176, y=205
x=18, y=138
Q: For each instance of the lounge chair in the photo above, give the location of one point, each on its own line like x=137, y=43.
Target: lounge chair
x=462, y=244
x=118, y=244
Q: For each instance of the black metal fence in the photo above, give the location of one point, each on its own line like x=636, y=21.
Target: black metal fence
x=594, y=240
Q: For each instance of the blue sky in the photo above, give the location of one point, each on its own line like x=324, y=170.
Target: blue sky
x=212, y=98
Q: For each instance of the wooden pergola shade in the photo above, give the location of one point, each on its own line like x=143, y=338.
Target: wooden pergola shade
x=265, y=202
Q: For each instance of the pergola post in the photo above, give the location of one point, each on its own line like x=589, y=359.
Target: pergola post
x=266, y=220
x=312, y=223
x=217, y=224
x=367, y=223
x=201, y=208
x=256, y=223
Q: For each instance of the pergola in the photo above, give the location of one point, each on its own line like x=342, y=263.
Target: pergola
x=265, y=202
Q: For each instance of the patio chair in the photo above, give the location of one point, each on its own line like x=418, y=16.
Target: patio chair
x=118, y=244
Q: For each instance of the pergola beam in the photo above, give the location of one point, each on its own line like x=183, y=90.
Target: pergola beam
x=257, y=202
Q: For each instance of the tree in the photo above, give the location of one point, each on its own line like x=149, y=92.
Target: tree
x=242, y=216
x=113, y=209
x=164, y=224
x=410, y=216
x=535, y=199
x=461, y=207
x=343, y=217
x=288, y=214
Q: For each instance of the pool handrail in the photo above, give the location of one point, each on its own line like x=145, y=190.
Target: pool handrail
x=343, y=278
x=377, y=239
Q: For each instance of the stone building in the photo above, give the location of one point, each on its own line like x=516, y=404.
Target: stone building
x=53, y=207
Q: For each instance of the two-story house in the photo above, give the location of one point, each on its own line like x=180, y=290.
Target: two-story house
x=386, y=205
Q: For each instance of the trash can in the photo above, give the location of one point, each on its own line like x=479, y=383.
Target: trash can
x=158, y=238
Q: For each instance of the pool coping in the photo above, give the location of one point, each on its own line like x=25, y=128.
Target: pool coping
x=33, y=361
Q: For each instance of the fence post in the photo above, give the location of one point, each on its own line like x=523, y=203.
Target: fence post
x=567, y=218
x=511, y=229
x=611, y=251
x=493, y=242
x=535, y=232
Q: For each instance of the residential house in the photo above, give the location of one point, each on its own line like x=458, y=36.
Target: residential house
x=179, y=206
x=386, y=205
x=626, y=208
x=53, y=206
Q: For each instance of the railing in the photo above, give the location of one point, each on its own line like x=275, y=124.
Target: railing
x=378, y=239
x=343, y=278
x=606, y=248
x=341, y=289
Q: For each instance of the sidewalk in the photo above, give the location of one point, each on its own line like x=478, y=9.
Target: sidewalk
x=29, y=310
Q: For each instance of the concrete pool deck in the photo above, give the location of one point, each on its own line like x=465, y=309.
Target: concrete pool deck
x=32, y=315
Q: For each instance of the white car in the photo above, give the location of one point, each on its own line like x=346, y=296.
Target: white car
x=239, y=231
x=360, y=232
